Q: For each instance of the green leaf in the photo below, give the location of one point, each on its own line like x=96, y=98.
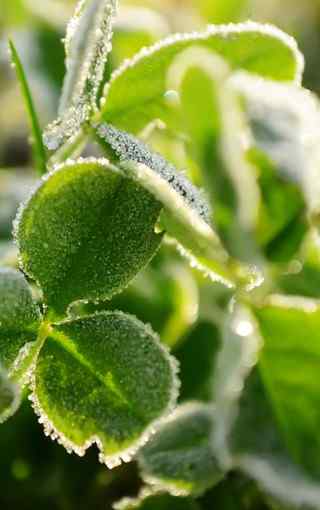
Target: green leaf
x=178, y=457
x=186, y=213
x=19, y=322
x=40, y=156
x=289, y=365
x=87, y=45
x=282, y=222
x=213, y=121
x=197, y=357
x=9, y=397
x=103, y=379
x=136, y=94
x=85, y=232
x=284, y=121
x=165, y=294
x=149, y=500
x=266, y=398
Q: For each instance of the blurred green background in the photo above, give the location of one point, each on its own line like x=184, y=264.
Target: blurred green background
x=34, y=472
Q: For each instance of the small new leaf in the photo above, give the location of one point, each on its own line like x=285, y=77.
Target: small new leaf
x=19, y=321
x=87, y=44
x=104, y=379
x=178, y=458
x=86, y=232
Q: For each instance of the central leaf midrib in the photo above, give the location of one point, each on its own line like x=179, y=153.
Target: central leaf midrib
x=64, y=342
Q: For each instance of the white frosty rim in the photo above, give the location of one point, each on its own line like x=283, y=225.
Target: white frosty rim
x=224, y=31
x=127, y=454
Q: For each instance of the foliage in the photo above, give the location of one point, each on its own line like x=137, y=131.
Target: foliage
x=221, y=258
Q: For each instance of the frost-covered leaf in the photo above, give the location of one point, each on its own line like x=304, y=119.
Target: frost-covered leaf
x=137, y=95
x=129, y=148
x=9, y=397
x=213, y=120
x=19, y=321
x=284, y=121
x=186, y=212
x=149, y=500
x=268, y=415
x=86, y=232
x=197, y=356
x=289, y=365
x=165, y=294
x=103, y=379
x=178, y=458
x=87, y=45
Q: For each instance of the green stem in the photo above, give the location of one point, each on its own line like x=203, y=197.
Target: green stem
x=39, y=151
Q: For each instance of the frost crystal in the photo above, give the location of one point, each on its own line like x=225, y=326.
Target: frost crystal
x=87, y=45
x=130, y=148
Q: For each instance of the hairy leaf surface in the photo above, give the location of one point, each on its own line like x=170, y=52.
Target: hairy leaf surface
x=186, y=214
x=178, y=457
x=86, y=232
x=105, y=379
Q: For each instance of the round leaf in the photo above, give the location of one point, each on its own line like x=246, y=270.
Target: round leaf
x=179, y=458
x=104, y=379
x=86, y=232
x=136, y=93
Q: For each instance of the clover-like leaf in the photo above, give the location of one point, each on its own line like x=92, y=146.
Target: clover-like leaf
x=103, y=379
x=178, y=458
x=213, y=121
x=284, y=121
x=156, y=500
x=136, y=93
x=266, y=398
x=9, y=397
x=86, y=232
x=19, y=322
x=186, y=215
x=289, y=364
x=87, y=45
